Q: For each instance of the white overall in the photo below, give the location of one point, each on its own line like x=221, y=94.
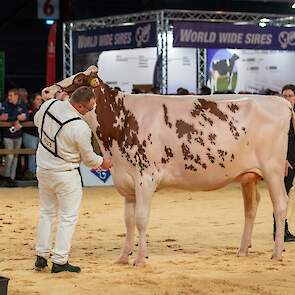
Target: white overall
x=59, y=153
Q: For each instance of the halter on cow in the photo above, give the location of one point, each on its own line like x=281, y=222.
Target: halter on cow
x=191, y=142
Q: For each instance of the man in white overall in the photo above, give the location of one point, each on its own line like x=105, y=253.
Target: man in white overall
x=65, y=141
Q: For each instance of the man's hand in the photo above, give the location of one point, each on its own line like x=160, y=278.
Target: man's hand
x=106, y=165
x=21, y=117
x=287, y=166
x=4, y=117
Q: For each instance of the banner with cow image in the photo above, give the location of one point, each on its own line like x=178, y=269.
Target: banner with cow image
x=213, y=35
x=122, y=37
x=253, y=71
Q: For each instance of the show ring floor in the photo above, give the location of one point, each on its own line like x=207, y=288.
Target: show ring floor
x=193, y=238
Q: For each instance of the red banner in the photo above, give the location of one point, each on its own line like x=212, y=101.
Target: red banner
x=51, y=65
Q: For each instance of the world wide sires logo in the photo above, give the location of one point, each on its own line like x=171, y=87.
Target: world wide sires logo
x=102, y=175
x=142, y=35
x=287, y=39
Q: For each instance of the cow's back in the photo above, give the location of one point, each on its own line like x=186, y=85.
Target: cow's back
x=204, y=142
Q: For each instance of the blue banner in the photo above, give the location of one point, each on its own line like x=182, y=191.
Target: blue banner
x=123, y=37
x=215, y=35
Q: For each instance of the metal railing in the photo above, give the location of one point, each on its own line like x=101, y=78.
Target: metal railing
x=20, y=151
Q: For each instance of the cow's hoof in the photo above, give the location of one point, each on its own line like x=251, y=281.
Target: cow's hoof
x=276, y=257
x=242, y=253
x=122, y=261
x=138, y=263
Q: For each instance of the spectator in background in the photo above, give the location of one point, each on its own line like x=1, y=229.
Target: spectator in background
x=205, y=90
x=288, y=92
x=23, y=95
x=30, y=135
x=155, y=90
x=3, y=117
x=269, y=91
x=224, y=92
x=179, y=90
x=14, y=111
x=182, y=91
x=136, y=91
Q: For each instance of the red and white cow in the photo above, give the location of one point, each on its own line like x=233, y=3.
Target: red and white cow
x=191, y=142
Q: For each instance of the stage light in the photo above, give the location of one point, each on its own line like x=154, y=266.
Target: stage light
x=293, y=6
x=265, y=20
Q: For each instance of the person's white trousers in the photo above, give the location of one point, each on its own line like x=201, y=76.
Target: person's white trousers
x=59, y=192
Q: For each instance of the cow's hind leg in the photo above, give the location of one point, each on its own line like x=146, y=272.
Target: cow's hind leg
x=144, y=194
x=280, y=201
x=130, y=230
x=251, y=200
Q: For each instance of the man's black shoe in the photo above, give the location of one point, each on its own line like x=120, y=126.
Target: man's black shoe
x=40, y=263
x=64, y=267
x=3, y=177
x=289, y=237
x=11, y=183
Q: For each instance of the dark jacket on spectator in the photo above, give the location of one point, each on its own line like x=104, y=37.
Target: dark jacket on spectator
x=31, y=130
x=13, y=110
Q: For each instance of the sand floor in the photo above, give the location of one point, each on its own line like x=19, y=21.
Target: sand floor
x=193, y=238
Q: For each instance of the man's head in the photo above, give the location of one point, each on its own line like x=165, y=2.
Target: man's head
x=83, y=99
x=288, y=92
x=13, y=96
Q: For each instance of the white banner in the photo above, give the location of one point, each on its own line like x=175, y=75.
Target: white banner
x=128, y=67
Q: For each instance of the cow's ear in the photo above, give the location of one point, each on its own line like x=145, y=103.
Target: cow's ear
x=92, y=69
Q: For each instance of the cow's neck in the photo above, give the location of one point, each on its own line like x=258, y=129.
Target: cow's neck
x=109, y=106
x=118, y=127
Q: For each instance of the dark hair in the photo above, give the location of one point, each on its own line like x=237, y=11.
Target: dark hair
x=289, y=87
x=34, y=95
x=205, y=90
x=82, y=94
x=182, y=91
x=32, y=98
x=136, y=91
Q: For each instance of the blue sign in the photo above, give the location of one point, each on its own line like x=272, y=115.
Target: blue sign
x=123, y=37
x=212, y=35
x=101, y=174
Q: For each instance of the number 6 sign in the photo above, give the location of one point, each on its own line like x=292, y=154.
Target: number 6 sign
x=48, y=9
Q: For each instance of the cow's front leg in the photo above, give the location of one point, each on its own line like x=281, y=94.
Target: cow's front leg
x=130, y=229
x=144, y=194
x=251, y=201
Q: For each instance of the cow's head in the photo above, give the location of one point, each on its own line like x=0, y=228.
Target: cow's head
x=69, y=85
x=234, y=57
